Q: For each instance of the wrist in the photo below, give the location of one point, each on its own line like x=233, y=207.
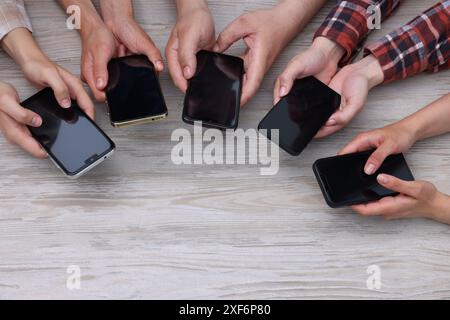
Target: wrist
x=330, y=49
x=184, y=6
x=370, y=67
x=440, y=210
x=115, y=11
x=291, y=13
x=21, y=46
x=90, y=22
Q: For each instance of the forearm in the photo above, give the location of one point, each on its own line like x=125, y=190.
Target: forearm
x=21, y=46
x=89, y=16
x=431, y=121
x=113, y=11
x=299, y=12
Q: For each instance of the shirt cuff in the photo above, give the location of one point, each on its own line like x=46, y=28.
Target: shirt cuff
x=347, y=26
x=13, y=16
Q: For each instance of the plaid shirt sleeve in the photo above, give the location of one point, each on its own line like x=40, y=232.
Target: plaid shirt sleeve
x=13, y=15
x=347, y=23
x=422, y=44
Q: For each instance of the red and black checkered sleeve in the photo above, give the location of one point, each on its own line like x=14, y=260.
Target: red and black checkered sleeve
x=347, y=23
x=421, y=45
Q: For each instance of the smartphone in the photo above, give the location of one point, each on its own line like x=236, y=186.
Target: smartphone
x=133, y=93
x=300, y=114
x=214, y=92
x=344, y=183
x=72, y=140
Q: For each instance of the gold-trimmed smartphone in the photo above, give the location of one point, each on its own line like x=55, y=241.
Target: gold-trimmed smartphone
x=134, y=94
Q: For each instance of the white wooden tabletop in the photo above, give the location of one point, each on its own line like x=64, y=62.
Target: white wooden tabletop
x=139, y=226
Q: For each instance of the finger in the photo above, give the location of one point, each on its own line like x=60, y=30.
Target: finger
x=174, y=65
x=78, y=93
x=20, y=135
x=232, y=33
x=340, y=119
x=60, y=89
x=153, y=53
x=187, y=56
x=254, y=75
x=387, y=206
x=20, y=114
x=100, y=68
x=410, y=188
x=285, y=81
x=360, y=143
x=87, y=70
x=378, y=156
x=328, y=130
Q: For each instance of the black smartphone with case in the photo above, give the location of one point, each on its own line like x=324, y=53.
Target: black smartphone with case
x=71, y=139
x=344, y=183
x=299, y=115
x=133, y=93
x=214, y=92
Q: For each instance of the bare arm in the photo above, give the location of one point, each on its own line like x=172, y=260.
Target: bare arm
x=433, y=120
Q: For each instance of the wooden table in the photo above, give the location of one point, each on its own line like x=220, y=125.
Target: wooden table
x=141, y=227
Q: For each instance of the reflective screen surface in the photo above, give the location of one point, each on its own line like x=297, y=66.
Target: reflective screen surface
x=345, y=182
x=133, y=90
x=300, y=115
x=214, y=92
x=67, y=135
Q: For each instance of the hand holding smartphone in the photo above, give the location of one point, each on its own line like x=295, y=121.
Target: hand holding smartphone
x=134, y=94
x=71, y=139
x=299, y=116
x=214, y=93
x=344, y=183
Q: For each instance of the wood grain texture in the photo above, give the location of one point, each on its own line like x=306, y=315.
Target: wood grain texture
x=141, y=227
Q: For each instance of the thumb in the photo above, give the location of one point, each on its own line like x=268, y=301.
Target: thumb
x=232, y=33
x=187, y=57
x=286, y=80
x=101, y=61
x=409, y=188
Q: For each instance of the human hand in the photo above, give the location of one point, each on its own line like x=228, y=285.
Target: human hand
x=416, y=199
x=194, y=31
x=14, y=120
x=393, y=139
x=117, y=36
x=321, y=60
x=42, y=72
x=353, y=82
x=265, y=33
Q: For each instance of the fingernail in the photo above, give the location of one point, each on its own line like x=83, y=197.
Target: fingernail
x=283, y=91
x=216, y=48
x=36, y=122
x=370, y=169
x=331, y=122
x=187, y=72
x=383, y=179
x=66, y=103
x=159, y=65
x=99, y=83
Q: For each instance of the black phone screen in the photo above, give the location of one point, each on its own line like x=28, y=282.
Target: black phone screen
x=214, y=93
x=133, y=90
x=70, y=138
x=300, y=115
x=344, y=182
